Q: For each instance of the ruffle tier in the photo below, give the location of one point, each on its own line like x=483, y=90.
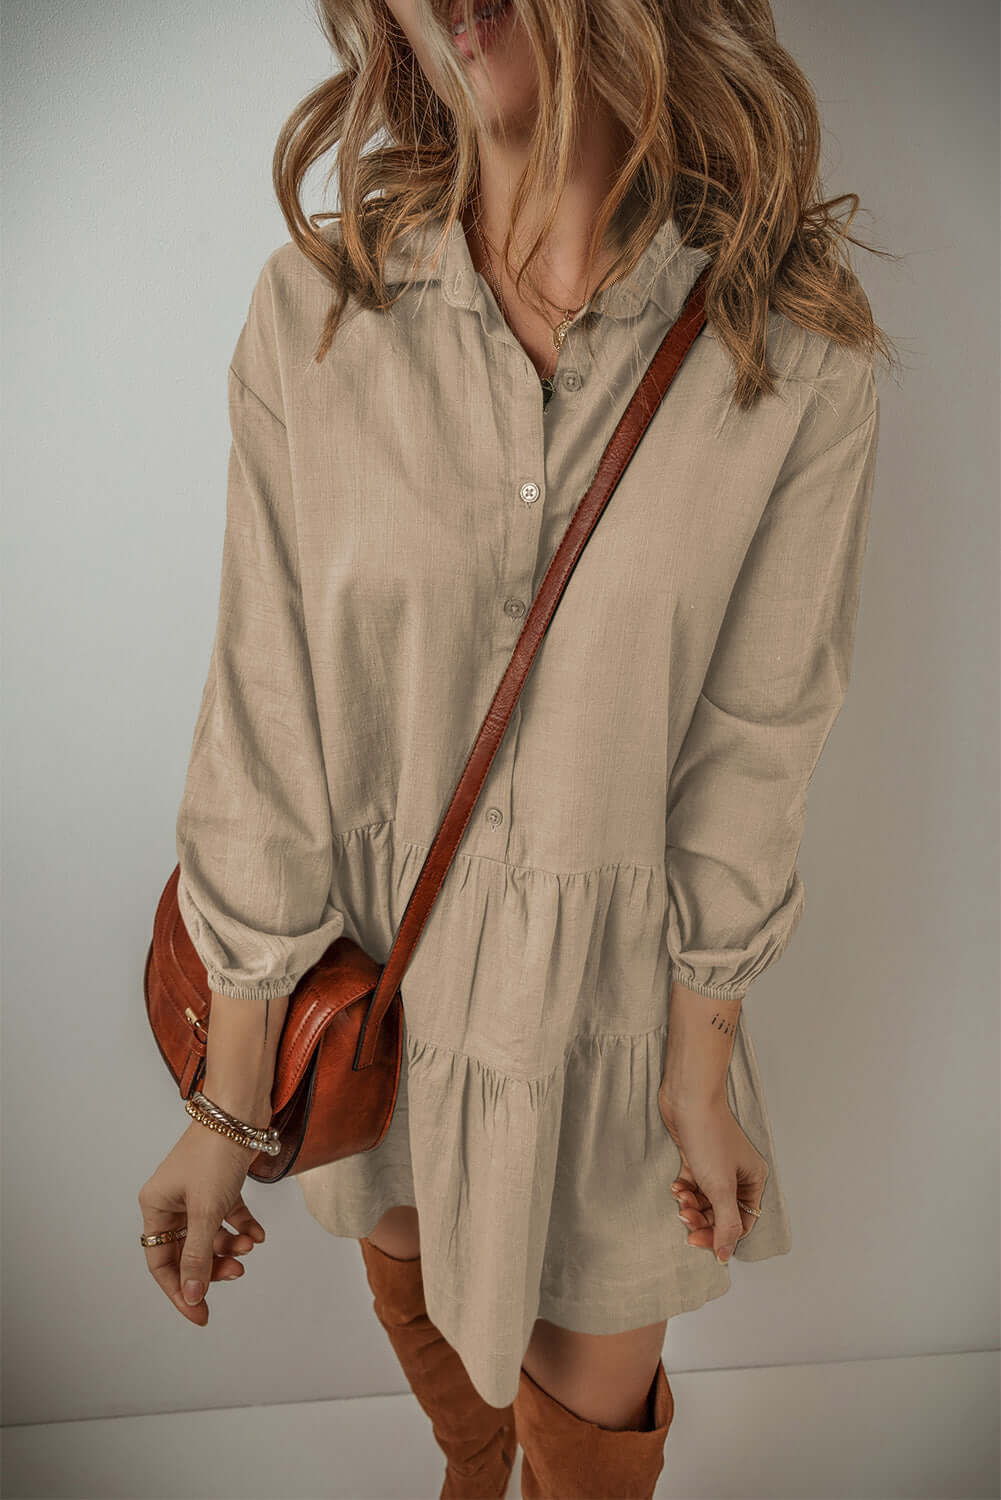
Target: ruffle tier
x=527, y=1131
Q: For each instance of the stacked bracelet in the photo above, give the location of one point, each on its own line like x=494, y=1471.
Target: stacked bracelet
x=207, y=1112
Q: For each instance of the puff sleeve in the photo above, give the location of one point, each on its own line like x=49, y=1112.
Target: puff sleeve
x=254, y=832
x=775, y=684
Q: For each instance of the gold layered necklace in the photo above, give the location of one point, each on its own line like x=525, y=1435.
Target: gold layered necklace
x=560, y=329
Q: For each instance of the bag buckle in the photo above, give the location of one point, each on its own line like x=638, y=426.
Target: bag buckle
x=194, y=1021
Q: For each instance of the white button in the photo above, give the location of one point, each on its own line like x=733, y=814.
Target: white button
x=571, y=380
x=495, y=816
x=529, y=492
x=514, y=607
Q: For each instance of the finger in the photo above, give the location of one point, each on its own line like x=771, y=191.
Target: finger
x=693, y=1200
x=226, y=1243
x=226, y=1268
x=701, y=1239
x=693, y=1207
x=164, y=1264
x=196, y=1257
x=168, y=1277
x=244, y=1222
x=690, y=1213
x=163, y=1260
x=750, y=1194
x=685, y=1190
x=728, y=1225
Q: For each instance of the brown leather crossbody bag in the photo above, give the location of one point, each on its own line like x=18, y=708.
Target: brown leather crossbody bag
x=337, y=1069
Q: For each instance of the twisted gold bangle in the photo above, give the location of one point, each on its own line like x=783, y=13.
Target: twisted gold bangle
x=255, y=1138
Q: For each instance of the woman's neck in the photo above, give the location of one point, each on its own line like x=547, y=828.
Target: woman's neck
x=560, y=271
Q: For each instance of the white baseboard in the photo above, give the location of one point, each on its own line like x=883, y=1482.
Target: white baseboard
x=924, y=1428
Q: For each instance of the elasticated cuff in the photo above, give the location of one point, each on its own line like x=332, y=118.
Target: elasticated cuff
x=261, y=989
x=714, y=991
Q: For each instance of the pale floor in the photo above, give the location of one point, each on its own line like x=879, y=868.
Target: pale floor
x=921, y=1427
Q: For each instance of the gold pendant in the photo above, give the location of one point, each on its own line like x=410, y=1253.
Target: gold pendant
x=560, y=331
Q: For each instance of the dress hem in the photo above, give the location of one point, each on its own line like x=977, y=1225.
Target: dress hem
x=587, y=1314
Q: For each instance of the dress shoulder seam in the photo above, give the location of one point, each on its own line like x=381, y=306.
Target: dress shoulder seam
x=259, y=399
x=846, y=435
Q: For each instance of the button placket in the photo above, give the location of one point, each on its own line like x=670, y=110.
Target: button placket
x=525, y=527
x=494, y=812
x=578, y=353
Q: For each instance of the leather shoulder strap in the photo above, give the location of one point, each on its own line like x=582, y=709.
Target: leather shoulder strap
x=621, y=447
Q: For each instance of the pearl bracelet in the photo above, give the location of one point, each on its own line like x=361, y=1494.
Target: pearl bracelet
x=256, y=1137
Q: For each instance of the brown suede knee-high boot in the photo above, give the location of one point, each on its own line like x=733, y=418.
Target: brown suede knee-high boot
x=478, y=1440
x=565, y=1457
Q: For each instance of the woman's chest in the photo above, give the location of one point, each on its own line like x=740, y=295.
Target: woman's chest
x=426, y=467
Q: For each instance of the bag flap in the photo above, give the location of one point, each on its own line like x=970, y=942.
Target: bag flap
x=344, y=976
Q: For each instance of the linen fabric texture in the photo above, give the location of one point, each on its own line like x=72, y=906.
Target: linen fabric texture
x=390, y=514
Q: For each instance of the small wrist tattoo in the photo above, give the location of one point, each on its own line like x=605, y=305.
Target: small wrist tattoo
x=722, y=1024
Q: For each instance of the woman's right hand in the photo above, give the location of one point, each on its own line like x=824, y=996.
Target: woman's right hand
x=199, y=1183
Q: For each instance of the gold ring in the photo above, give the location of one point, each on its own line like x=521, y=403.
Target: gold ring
x=163, y=1238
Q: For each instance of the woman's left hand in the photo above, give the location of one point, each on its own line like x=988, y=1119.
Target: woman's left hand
x=718, y=1166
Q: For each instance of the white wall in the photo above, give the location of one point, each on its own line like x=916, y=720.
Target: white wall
x=137, y=212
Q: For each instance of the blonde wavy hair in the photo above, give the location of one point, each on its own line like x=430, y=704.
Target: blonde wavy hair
x=719, y=127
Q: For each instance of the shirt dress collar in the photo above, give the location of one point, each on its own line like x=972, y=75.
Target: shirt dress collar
x=664, y=273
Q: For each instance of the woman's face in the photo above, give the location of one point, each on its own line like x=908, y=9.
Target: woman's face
x=505, y=80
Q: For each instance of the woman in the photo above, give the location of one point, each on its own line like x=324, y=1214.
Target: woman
x=419, y=396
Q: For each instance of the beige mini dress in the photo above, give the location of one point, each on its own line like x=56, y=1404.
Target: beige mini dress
x=389, y=516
